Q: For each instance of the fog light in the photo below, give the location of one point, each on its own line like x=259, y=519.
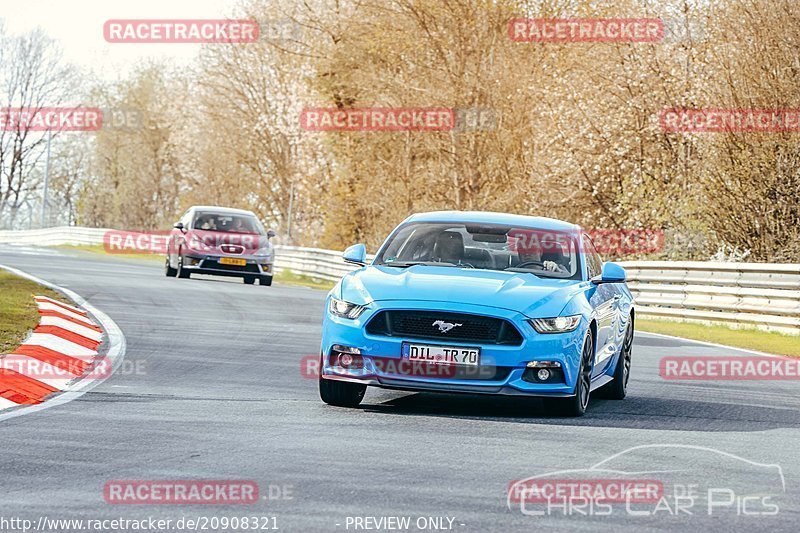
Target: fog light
x=346, y=357
x=346, y=349
x=544, y=364
x=543, y=372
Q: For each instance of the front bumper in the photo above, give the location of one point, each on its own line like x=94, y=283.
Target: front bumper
x=501, y=367
x=206, y=263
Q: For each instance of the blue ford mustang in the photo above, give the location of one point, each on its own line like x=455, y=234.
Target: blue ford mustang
x=478, y=302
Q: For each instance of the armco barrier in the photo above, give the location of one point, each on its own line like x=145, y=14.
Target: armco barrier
x=760, y=295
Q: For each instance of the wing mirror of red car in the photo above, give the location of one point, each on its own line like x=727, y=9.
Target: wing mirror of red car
x=271, y=233
x=178, y=225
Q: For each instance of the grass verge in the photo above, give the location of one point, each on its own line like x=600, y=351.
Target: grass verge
x=18, y=311
x=100, y=249
x=287, y=276
x=762, y=341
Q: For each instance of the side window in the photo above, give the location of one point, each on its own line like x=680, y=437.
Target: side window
x=594, y=263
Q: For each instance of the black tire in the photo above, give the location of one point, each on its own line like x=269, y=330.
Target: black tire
x=617, y=389
x=168, y=270
x=265, y=281
x=182, y=272
x=341, y=393
x=249, y=280
x=576, y=405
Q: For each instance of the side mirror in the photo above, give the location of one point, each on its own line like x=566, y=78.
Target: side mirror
x=356, y=254
x=611, y=273
x=271, y=233
x=178, y=225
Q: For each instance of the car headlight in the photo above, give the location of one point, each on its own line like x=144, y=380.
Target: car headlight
x=344, y=309
x=264, y=252
x=560, y=324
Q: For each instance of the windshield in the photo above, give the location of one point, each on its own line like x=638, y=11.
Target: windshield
x=489, y=247
x=227, y=223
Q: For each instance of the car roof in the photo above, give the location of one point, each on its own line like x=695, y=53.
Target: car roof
x=488, y=217
x=222, y=210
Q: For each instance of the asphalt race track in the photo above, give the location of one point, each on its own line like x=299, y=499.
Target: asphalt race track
x=211, y=388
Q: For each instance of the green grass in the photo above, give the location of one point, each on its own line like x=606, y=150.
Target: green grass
x=287, y=276
x=762, y=341
x=18, y=311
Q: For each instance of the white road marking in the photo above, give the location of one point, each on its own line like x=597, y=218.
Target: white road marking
x=114, y=357
x=38, y=370
x=5, y=404
x=60, y=345
x=46, y=306
x=28, y=250
x=71, y=326
x=45, y=299
x=715, y=345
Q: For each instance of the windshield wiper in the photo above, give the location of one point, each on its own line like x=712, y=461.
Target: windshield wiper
x=405, y=264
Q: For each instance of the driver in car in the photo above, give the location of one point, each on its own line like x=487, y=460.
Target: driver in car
x=532, y=254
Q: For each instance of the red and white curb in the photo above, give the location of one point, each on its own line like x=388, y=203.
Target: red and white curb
x=59, y=361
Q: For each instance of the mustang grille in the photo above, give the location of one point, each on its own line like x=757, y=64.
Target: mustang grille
x=432, y=325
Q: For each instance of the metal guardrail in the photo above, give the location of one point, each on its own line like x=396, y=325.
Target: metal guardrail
x=71, y=235
x=762, y=295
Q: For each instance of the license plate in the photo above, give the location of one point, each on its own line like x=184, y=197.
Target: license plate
x=444, y=355
x=232, y=261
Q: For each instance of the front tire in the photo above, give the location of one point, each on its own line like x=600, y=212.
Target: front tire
x=618, y=388
x=168, y=270
x=576, y=405
x=265, y=281
x=182, y=272
x=249, y=280
x=341, y=393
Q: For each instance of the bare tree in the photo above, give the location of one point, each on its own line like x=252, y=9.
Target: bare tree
x=33, y=76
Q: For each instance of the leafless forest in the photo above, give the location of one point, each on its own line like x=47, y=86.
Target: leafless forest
x=566, y=130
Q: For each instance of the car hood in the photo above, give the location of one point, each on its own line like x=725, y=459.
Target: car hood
x=515, y=291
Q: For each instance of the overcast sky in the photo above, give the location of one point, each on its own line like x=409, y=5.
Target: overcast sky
x=78, y=27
